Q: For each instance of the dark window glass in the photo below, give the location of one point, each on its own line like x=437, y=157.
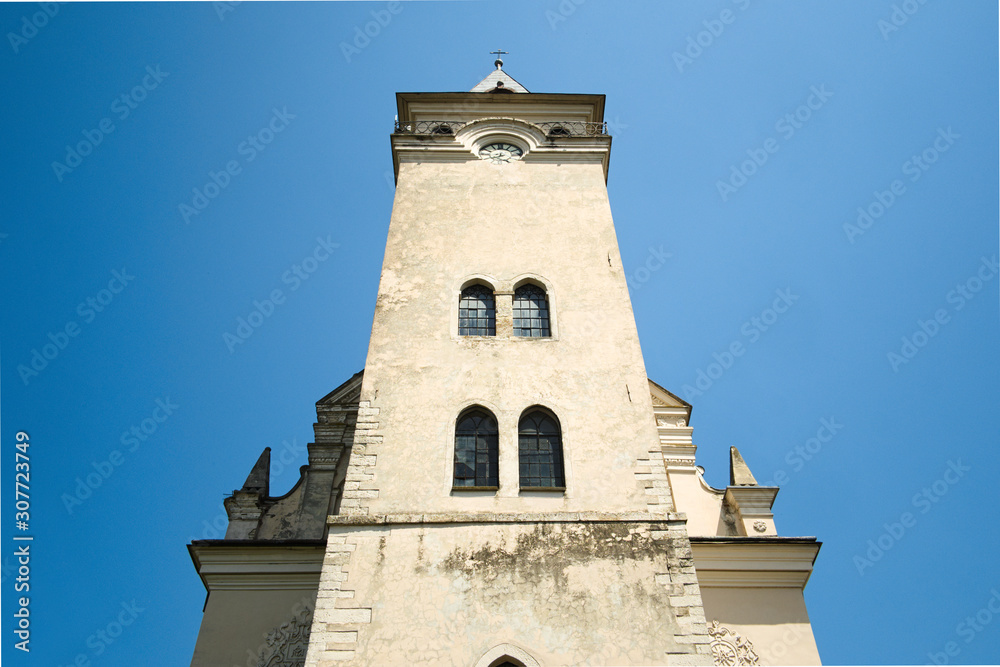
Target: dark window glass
x=477, y=314
x=531, y=312
x=476, y=449
x=539, y=447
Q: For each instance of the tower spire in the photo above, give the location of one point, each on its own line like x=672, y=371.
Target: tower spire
x=259, y=477
x=499, y=61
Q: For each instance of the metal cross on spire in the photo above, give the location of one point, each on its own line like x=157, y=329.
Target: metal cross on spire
x=499, y=62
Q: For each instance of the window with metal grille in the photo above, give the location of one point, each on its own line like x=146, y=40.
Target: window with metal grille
x=531, y=312
x=539, y=448
x=477, y=313
x=476, y=449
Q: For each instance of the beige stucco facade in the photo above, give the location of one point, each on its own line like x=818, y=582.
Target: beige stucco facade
x=457, y=222
x=633, y=560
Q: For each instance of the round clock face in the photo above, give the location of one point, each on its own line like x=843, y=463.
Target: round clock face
x=500, y=153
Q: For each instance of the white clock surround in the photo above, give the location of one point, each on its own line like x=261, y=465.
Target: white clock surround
x=478, y=134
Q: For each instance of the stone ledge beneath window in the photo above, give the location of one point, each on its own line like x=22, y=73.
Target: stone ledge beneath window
x=462, y=489
x=542, y=491
x=502, y=336
x=496, y=517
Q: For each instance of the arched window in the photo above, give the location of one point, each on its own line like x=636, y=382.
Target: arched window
x=531, y=312
x=539, y=449
x=476, y=449
x=505, y=655
x=477, y=313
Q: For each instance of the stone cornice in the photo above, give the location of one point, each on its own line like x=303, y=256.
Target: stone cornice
x=250, y=565
x=754, y=562
x=446, y=149
x=586, y=150
x=476, y=104
x=494, y=517
x=752, y=500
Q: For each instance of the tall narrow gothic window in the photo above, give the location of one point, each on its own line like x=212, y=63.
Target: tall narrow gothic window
x=531, y=312
x=476, y=449
x=477, y=313
x=540, y=451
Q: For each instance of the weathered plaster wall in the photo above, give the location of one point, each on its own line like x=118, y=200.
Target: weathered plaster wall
x=566, y=592
x=451, y=221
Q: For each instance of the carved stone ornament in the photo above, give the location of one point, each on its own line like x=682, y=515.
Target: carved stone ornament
x=729, y=648
x=729, y=519
x=286, y=645
x=759, y=526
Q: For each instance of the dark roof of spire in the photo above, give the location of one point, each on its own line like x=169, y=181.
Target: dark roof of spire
x=259, y=477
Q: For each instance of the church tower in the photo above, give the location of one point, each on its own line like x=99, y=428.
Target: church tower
x=502, y=484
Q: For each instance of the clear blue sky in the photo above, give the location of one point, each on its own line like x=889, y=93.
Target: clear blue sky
x=839, y=111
